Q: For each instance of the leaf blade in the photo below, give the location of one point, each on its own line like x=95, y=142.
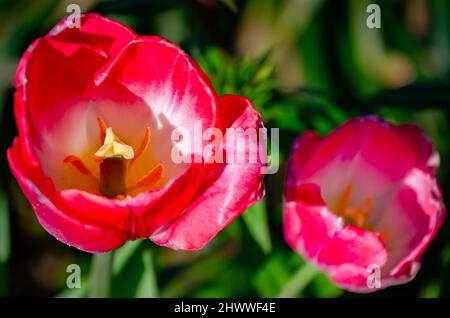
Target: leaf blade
x=255, y=218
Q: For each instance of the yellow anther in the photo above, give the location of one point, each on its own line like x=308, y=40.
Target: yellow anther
x=113, y=147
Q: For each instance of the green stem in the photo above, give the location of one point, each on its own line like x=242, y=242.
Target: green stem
x=4, y=228
x=148, y=287
x=100, y=280
x=4, y=240
x=299, y=281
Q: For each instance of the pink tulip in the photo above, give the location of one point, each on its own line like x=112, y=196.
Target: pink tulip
x=363, y=203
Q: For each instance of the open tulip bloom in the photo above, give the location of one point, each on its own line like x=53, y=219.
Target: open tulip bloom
x=96, y=107
x=362, y=203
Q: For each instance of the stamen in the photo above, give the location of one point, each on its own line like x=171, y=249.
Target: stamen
x=78, y=164
x=367, y=205
x=151, y=178
x=343, y=200
x=144, y=144
x=103, y=127
x=356, y=216
x=385, y=235
x=114, y=157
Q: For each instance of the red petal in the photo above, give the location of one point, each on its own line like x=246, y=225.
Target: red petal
x=229, y=189
x=167, y=79
x=315, y=232
x=55, y=71
x=88, y=225
x=157, y=209
x=367, y=136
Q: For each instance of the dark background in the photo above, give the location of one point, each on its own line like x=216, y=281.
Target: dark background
x=305, y=65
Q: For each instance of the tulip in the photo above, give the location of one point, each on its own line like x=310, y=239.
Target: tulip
x=95, y=108
x=362, y=204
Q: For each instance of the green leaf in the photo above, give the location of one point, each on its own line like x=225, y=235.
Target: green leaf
x=233, y=281
x=255, y=219
x=123, y=255
x=323, y=287
x=430, y=290
x=147, y=286
x=100, y=277
x=4, y=228
x=275, y=273
x=195, y=276
x=298, y=281
x=133, y=271
x=4, y=240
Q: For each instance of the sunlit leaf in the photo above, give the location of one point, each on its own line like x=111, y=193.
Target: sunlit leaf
x=193, y=277
x=298, y=281
x=275, y=273
x=321, y=286
x=100, y=275
x=147, y=286
x=124, y=254
x=256, y=220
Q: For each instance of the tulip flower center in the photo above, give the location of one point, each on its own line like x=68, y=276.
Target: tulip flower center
x=352, y=215
x=114, y=158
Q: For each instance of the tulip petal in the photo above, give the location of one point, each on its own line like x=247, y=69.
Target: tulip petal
x=155, y=210
x=415, y=215
x=229, y=188
x=63, y=101
x=95, y=30
x=167, y=79
x=316, y=233
x=52, y=211
x=367, y=137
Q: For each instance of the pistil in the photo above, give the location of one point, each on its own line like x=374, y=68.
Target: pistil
x=113, y=156
x=113, y=174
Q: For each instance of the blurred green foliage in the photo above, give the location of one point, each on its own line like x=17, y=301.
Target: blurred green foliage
x=305, y=65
